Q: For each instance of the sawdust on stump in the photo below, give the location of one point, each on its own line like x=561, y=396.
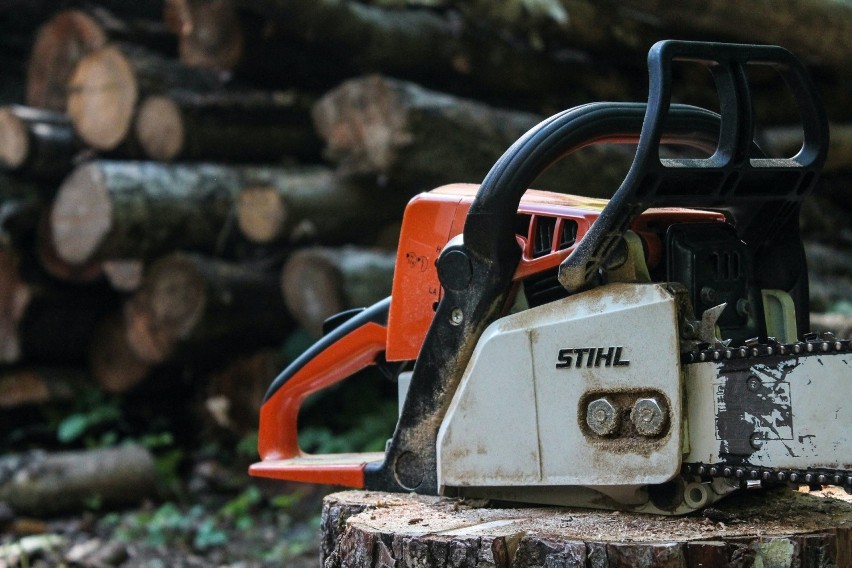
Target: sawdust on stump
x=765, y=528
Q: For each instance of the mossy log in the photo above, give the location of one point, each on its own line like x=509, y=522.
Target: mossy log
x=141, y=210
x=36, y=142
x=760, y=528
x=38, y=483
x=193, y=303
x=229, y=126
x=319, y=282
x=312, y=204
x=415, y=139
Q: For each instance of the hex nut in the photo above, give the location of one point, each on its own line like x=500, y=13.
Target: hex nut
x=648, y=416
x=603, y=417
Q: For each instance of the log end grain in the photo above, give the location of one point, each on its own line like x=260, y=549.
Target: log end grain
x=261, y=213
x=779, y=527
x=363, y=123
x=14, y=143
x=103, y=93
x=159, y=128
x=61, y=42
x=81, y=215
x=166, y=308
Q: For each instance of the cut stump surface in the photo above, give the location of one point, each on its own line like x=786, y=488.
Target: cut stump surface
x=768, y=528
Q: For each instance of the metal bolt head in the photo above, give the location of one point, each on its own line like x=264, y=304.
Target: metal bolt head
x=603, y=417
x=456, y=316
x=753, y=384
x=648, y=416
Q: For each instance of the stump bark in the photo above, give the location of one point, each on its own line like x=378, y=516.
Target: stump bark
x=778, y=527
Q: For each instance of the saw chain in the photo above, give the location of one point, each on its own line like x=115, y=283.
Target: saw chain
x=812, y=345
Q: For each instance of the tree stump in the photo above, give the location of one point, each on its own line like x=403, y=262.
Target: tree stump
x=768, y=528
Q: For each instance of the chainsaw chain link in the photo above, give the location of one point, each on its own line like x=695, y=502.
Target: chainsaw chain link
x=812, y=344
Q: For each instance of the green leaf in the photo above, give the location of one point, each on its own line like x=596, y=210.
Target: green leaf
x=72, y=428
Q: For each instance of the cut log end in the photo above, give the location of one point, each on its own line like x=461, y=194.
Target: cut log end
x=159, y=128
x=261, y=213
x=61, y=42
x=166, y=308
x=778, y=527
x=103, y=92
x=81, y=215
x=363, y=123
x=210, y=34
x=14, y=144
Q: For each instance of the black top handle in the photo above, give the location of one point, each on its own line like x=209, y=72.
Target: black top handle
x=759, y=194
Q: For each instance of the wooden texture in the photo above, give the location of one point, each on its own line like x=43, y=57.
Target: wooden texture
x=450, y=52
x=38, y=385
x=312, y=204
x=141, y=210
x=209, y=31
x=70, y=35
x=766, y=528
x=108, y=84
x=318, y=282
x=38, y=483
x=415, y=139
x=269, y=125
x=15, y=296
x=112, y=363
x=36, y=142
x=188, y=301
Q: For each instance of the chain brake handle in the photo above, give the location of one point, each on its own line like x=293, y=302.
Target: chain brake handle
x=759, y=194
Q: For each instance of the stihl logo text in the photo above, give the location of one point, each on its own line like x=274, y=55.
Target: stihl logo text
x=591, y=357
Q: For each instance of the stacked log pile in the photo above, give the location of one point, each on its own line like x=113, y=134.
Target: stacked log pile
x=188, y=181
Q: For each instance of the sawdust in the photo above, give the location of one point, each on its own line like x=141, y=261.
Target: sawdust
x=775, y=512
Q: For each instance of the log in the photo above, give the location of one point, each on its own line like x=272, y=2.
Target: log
x=190, y=302
x=447, y=51
x=317, y=282
x=108, y=84
x=418, y=139
x=312, y=204
x=15, y=296
x=246, y=127
x=38, y=483
x=209, y=32
x=36, y=142
x=141, y=210
x=124, y=275
x=762, y=528
x=69, y=36
x=113, y=364
x=37, y=385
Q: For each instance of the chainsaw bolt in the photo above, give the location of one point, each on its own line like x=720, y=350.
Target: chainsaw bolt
x=456, y=316
x=648, y=416
x=754, y=383
x=603, y=417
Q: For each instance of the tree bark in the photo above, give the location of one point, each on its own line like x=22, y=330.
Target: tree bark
x=108, y=84
x=38, y=483
x=444, y=49
x=36, y=142
x=775, y=528
x=247, y=127
x=141, y=210
x=312, y=204
x=15, y=296
x=417, y=139
x=112, y=363
x=318, y=283
x=189, y=302
x=69, y=36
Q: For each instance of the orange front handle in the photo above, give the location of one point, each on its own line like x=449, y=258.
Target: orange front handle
x=278, y=435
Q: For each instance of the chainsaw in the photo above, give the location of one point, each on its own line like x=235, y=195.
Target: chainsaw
x=648, y=353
